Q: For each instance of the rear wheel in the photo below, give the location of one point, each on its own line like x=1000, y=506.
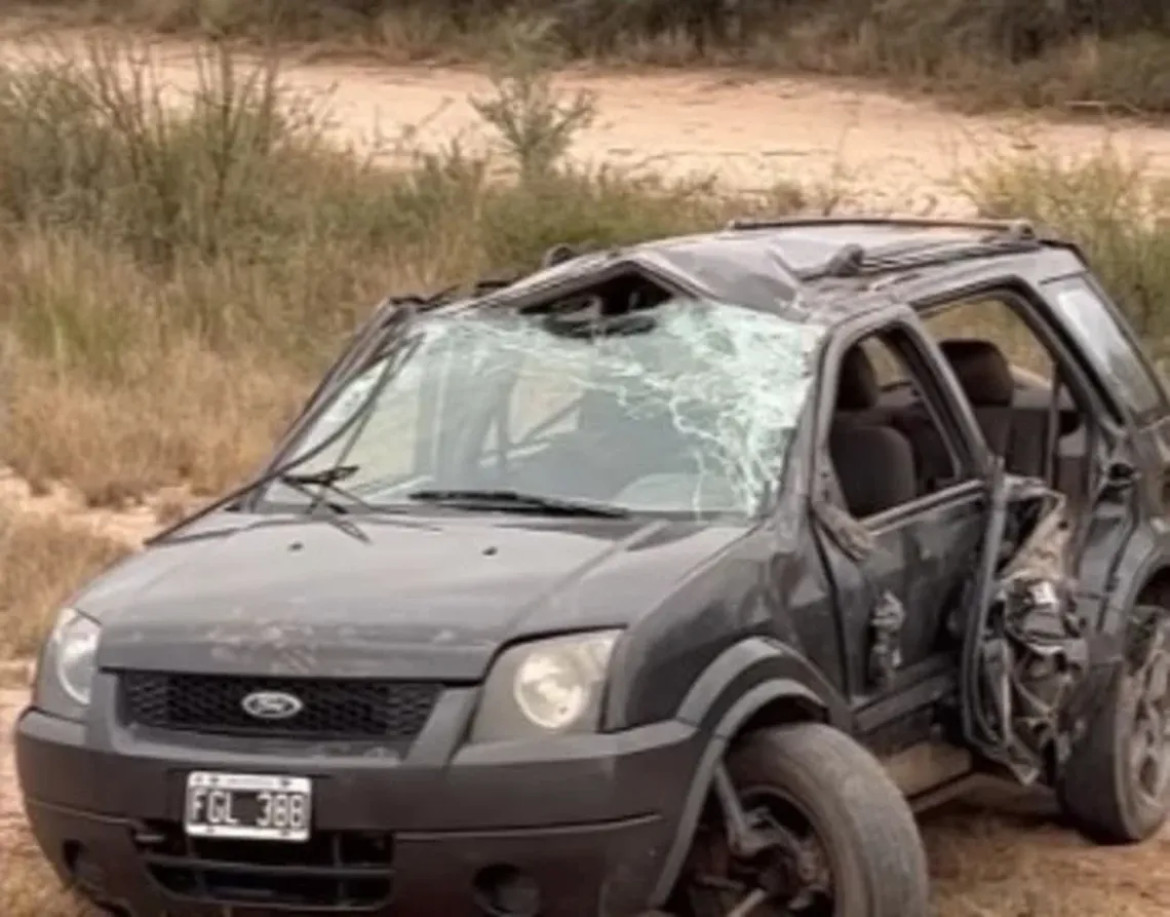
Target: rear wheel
x=850, y=847
x=1116, y=785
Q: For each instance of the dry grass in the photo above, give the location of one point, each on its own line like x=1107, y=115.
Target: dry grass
x=29, y=888
x=42, y=560
x=175, y=279
x=995, y=864
x=183, y=414
x=1109, y=204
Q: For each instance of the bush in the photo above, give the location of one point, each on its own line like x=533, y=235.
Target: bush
x=1110, y=206
x=176, y=276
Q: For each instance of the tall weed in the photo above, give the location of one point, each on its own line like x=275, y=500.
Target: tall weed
x=536, y=124
x=179, y=269
x=1109, y=204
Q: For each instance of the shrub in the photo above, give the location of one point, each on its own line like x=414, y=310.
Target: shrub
x=177, y=275
x=1109, y=205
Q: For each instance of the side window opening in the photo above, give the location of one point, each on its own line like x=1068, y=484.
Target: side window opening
x=886, y=442
x=1013, y=381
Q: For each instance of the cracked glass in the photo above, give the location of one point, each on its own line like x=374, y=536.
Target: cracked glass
x=687, y=408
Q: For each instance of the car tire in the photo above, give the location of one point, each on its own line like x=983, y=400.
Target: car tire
x=860, y=820
x=1115, y=786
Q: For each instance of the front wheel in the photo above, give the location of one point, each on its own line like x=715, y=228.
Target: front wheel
x=852, y=847
x=1116, y=785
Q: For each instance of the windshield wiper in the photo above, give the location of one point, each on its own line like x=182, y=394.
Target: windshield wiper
x=513, y=500
x=325, y=480
x=388, y=321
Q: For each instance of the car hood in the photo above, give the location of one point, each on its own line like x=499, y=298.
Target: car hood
x=409, y=598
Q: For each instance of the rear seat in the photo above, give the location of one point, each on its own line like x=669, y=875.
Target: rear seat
x=986, y=379
x=1015, y=422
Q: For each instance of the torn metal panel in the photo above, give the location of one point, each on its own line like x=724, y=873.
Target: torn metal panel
x=1034, y=650
x=1044, y=552
x=728, y=267
x=885, y=655
x=733, y=268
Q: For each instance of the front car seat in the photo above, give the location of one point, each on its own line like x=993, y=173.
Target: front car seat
x=875, y=467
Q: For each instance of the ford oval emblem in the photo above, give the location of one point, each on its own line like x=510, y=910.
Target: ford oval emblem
x=272, y=705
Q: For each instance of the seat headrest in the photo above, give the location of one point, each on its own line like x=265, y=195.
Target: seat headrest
x=875, y=466
x=857, y=387
x=982, y=370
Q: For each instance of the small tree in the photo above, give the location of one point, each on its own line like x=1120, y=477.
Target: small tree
x=536, y=122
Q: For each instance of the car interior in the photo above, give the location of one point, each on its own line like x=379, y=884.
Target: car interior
x=887, y=446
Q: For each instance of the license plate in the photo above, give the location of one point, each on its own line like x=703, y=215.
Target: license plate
x=248, y=807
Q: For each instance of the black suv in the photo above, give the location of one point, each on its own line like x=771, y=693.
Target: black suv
x=670, y=578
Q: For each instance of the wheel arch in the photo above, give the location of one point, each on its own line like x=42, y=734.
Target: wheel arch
x=1141, y=573
x=754, y=684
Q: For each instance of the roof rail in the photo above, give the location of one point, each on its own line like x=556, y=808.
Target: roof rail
x=1016, y=228
x=853, y=260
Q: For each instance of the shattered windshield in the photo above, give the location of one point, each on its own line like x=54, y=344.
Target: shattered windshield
x=687, y=408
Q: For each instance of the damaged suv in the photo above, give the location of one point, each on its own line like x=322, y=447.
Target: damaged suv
x=672, y=578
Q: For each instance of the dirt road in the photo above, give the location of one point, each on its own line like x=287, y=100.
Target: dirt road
x=892, y=153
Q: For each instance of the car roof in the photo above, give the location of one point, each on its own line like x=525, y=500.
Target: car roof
x=800, y=267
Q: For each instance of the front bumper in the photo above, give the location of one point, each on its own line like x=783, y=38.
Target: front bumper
x=588, y=819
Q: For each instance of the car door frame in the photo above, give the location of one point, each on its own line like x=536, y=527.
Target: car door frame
x=931, y=678
x=1127, y=539
x=1105, y=531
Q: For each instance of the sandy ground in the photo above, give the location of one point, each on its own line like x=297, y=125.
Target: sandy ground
x=894, y=154
x=751, y=133
x=10, y=811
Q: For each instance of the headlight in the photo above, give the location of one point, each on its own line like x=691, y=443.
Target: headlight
x=68, y=665
x=545, y=687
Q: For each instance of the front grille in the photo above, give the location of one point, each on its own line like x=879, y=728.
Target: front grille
x=344, y=871
x=387, y=711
